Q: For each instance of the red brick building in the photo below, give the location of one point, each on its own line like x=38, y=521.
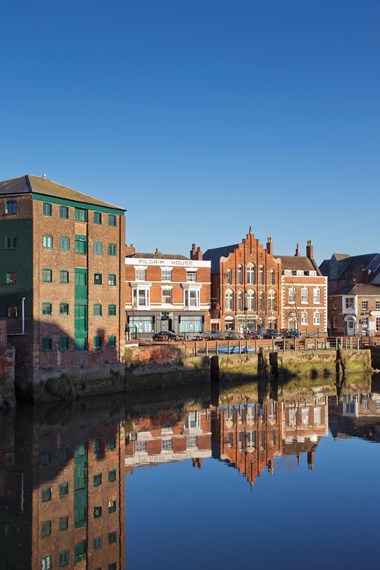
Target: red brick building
x=250, y=437
x=168, y=437
x=166, y=292
x=61, y=278
x=64, y=490
x=303, y=293
x=245, y=286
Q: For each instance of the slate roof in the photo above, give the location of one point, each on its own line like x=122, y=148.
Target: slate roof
x=367, y=261
x=361, y=289
x=156, y=256
x=215, y=254
x=297, y=263
x=40, y=185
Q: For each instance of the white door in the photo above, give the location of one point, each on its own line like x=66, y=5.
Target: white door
x=350, y=327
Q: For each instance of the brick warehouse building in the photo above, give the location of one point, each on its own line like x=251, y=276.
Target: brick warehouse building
x=62, y=488
x=303, y=293
x=245, y=286
x=61, y=278
x=166, y=292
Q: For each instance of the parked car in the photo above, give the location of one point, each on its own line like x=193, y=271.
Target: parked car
x=292, y=334
x=233, y=335
x=167, y=335
x=272, y=333
x=252, y=335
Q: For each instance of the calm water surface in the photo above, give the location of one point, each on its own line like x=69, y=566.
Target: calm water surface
x=246, y=477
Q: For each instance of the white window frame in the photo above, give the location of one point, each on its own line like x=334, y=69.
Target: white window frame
x=251, y=274
x=139, y=271
x=191, y=276
x=317, y=295
x=141, y=291
x=188, y=294
x=292, y=295
x=304, y=295
x=251, y=304
x=171, y=295
x=166, y=274
x=229, y=300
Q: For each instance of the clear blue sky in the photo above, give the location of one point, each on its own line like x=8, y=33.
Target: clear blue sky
x=202, y=117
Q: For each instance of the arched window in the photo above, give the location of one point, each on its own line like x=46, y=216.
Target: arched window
x=251, y=301
x=229, y=300
x=229, y=276
x=240, y=275
x=261, y=301
x=262, y=275
x=272, y=300
x=240, y=300
x=272, y=277
x=251, y=274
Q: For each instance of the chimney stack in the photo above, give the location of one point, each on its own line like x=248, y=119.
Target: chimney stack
x=269, y=246
x=309, y=249
x=297, y=253
x=129, y=250
x=196, y=253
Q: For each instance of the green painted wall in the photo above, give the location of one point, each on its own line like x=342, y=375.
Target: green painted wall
x=19, y=260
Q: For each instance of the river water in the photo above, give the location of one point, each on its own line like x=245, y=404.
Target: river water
x=249, y=476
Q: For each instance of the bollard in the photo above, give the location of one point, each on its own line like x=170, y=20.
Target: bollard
x=206, y=347
x=195, y=348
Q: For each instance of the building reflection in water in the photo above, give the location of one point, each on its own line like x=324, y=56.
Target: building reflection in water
x=62, y=493
x=62, y=469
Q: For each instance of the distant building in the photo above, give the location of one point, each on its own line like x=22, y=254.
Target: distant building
x=61, y=278
x=166, y=292
x=353, y=294
x=245, y=286
x=303, y=293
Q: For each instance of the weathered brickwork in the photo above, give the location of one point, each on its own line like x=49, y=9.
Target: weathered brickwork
x=63, y=281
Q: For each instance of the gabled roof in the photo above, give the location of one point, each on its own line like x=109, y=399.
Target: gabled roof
x=297, y=263
x=340, y=263
x=361, y=289
x=215, y=254
x=155, y=256
x=41, y=185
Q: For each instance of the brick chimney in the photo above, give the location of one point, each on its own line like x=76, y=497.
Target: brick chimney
x=129, y=250
x=269, y=246
x=297, y=253
x=309, y=249
x=196, y=253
